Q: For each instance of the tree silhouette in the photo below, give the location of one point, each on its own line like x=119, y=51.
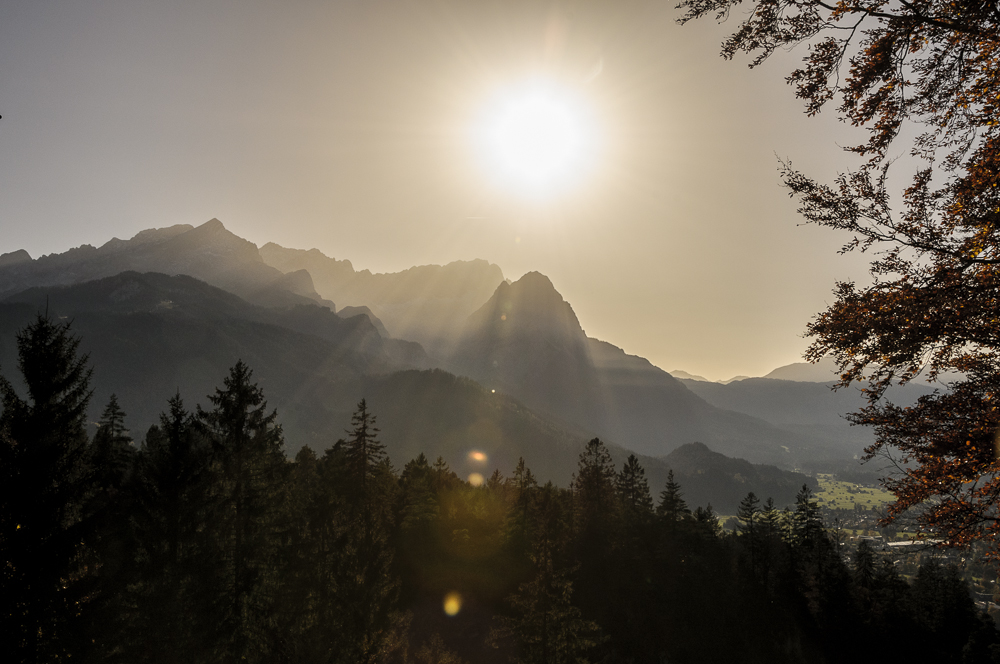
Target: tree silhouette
x=544, y=624
x=174, y=576
x=925, y=68
x=247, y=467
x=672, y=507
x=45, y=495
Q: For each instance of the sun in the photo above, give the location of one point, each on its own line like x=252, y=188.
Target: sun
x=537, y=139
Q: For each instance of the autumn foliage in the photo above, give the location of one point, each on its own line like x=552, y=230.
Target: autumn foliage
x=931, y=68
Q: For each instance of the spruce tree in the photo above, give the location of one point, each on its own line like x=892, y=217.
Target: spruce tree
x=363, y=449
x=176, y=570
x=707, y=520
x=806, y=527
x=45, y=496
x=597, y=528
x=364, y=456
x=594, y=494
x=545, y=625
x=111, y=537
x=633, y=491
x=672, y=507
x=113, y=450
x=368, y=587
x=247, y=468
x=636, y=510
x=520, y=520
x=748, y=513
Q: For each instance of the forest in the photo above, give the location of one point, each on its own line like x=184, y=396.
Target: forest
x=200, y=541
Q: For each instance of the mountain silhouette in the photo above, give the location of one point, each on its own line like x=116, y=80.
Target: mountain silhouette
x=811, y=409
x=710, y=477
x=521, y=339
x=208, y=252
x=527, y=342
x=150, y=336
x=427, y=303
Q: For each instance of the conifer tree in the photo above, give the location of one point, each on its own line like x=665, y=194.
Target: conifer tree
x=748, y=513
x=707, y=521
x=633, y=491
x=444, y=477
x=864, y=566
x=672, y=507
x=364, y=451
x=519, y=523
x=313, y=538
x=806, y=527
x=496, y=481
x=247, y=465
x=636, y=507
x=771, y=545
x=111, y=539
x=596, y=527
x=419, y=501
x=545, y=625
x=173, y=541
x=594, y=493
x=112, y=447
x=368, y=587
x=45, y=493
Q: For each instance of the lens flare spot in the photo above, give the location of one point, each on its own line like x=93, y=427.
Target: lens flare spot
x=475, y=479
x=475, y=456
x=452, y=604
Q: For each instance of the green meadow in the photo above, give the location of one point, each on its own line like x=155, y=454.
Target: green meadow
x=845, y=495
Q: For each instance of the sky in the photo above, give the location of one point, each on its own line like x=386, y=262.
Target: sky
x=348, y=126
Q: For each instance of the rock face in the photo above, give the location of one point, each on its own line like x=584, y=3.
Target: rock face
x=208, y=252
x=428, y=303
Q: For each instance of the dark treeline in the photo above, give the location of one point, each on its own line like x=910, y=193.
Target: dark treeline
x=203, y=543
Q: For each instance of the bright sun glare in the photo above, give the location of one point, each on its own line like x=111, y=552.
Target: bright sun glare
x=537, y=139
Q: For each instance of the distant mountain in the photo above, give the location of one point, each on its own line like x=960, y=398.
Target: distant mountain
x=810, y=409
x=677, y=373
x=710, y=477
x=150, y=336
x=15, y=258
x=520, y=338
x=824, y=371
x=208, y=252
x=526, y=341
x=428, y=304
x=349, y=312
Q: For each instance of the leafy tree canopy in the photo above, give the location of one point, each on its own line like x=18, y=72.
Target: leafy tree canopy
x=926, y=68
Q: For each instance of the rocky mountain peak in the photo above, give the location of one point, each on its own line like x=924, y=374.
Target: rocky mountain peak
x=14, y=258
x=530, y=305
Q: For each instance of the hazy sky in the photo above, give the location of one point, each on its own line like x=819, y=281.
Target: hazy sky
x=345, y=125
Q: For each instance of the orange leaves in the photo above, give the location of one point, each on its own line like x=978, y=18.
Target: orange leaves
x=933, y=65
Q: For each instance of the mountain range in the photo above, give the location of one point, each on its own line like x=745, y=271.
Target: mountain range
x=452, y=358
